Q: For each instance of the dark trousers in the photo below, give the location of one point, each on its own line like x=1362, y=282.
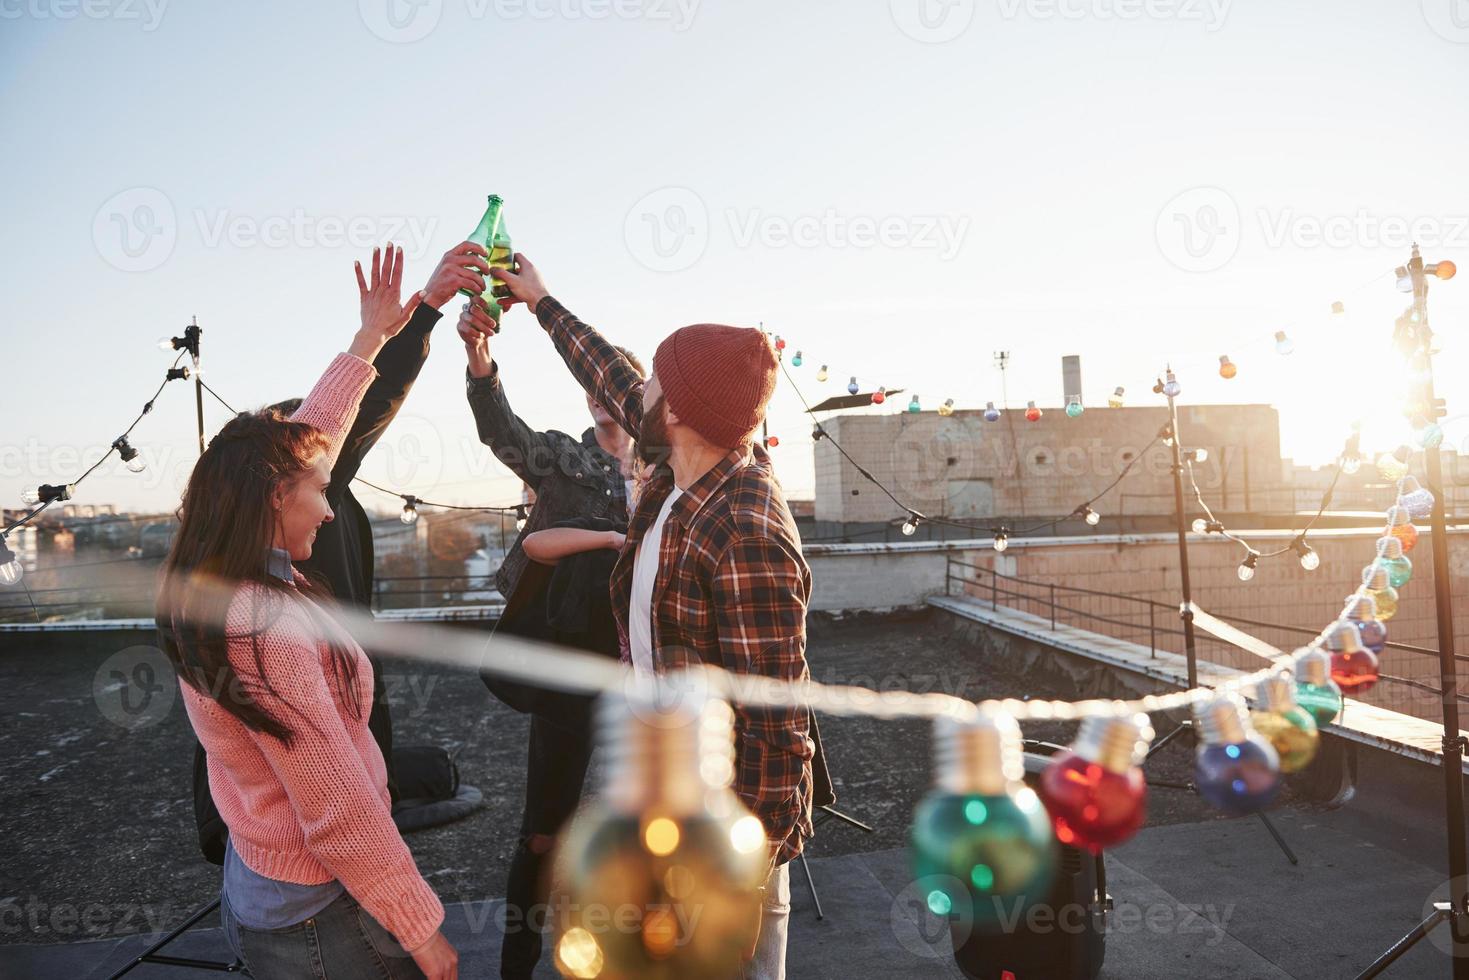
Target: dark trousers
x=556, y=765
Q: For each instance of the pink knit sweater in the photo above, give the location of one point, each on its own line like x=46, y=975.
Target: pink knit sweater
x=319, y=810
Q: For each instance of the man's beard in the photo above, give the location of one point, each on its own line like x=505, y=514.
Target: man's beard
x=653, y=447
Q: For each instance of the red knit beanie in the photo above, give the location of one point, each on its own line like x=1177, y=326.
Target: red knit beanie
x=717, y=379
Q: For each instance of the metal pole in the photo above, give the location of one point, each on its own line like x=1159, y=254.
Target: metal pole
x=1190, y=656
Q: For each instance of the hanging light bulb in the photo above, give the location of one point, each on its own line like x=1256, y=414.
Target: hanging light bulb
x=1235, y=769
x=1310, y=560
x=1338, y=307
x=1171, y=387
x=1290, y=728
x=1032, y=414
x=911, y=524
x=11, y=570
x=1115, y=401
x=779, y=343
x=1086, y=513
x=947, y=408
x=1390, y=467
x=1390, y=556
x=991, y=413
x=130, y=457
x=1094, y=791
x=852, y=386
x=1002, y=539
x=1227, y=368
x=47, y=493
x=1417, y=501
x=520, y=517
x=981, y=829
x=772, y=441
x=1350, y=464
x=1246, y=570
x=1362, y=610
x=1353, y=666
x=1374, y=580
x=1315, y=690
x=879, y=396
x=1074, y=407
x=667, y=844
x=1400, y=526
x=821, y=374
x=410, y=510
x=1283, y=344
x=796, y=361
x=913, y=405
x=1200, y=526
x=1443, y=268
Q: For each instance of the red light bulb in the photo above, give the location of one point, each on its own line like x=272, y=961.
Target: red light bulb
x=1094, y=791
x=1032, y=414
x=772, y=441
x=879, y=396
x=1353, y=666
x=780, y=344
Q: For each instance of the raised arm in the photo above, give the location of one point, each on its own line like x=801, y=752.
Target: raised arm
x=528, y=453
x=401, y=358
x=597, y=366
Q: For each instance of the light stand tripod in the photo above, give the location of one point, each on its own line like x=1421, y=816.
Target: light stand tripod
x=1414, y=338
x=1169, y=389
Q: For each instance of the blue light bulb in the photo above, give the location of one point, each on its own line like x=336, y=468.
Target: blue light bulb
x=852, y=386
x=991, y=413
x=1236, y=770
x=1417, y=501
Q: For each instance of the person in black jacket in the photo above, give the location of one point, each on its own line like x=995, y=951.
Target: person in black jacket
x=343, y=557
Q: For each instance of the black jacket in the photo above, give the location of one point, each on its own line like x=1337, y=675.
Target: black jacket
x=572, y=478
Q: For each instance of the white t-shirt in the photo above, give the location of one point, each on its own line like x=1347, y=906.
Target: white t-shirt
x=640, y=604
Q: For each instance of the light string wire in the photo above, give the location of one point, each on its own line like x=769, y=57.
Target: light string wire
x=1217, y=527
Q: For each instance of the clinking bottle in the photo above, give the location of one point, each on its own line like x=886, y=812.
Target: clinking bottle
x=492, y=236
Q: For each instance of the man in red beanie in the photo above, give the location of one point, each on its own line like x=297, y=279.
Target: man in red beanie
x=711, y=571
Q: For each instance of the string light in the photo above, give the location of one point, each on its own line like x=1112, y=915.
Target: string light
x=1171, y=387
x=1417, y=501
x=796, y=361
x=913, y=406
x=821, y=375
x=1002, y=540
x=1353, y=666
x=1283, y=344
x=779, y=343
x=520, y=517
x=911, y=524
x=1393, y=465
x=1362, y=610
x=772, y=441
x=1116, y=400
x=11, y=570
x=852, y=386
x=817, y=433
x=1390, y=556
x=1227, y=368
x=1290, y=729
x=1095, y=791
x=947, y=408
x=129, y=456
x=1400, y=526
x=1235, y=769
x=1032, y=414
x=981, y=840
x=46, y=493
x=1086, y=513
x=1384, y=596
x=1246, y=570
x=1315, y=690
x=1074, y=407
x=410, y=510
x=879, y=396
x=1310, y=560
x=991, y=413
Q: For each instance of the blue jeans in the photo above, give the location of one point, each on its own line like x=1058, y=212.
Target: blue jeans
x=341, y=941
x=769, y=962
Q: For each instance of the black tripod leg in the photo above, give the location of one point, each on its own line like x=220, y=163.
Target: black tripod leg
x=1270, y=826
x=1158, y=745
x=1441, y=911
x=812, y=882
x=150, y=954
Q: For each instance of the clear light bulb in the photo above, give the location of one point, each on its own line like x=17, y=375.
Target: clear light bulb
x=796, y=361
x=1389, y=467
x=1310, y=560
x=1351, y=464
x=981, y=840
x=137, y=464
x=913, y=405
x=1417, y=501
x=1290, y=728
x=947, y=408
x=1235, y=769
x=991, y=413
x=1315, y=690
x=30, y=496
x=821, y=375
x=1171, y=387
x=1199, y=455
x=1074, y=407
x=666, y=844
x=1246, y=570
x=1227, y=368
x=1116, y=400
x=166, y=343
x=1353, y=666
x=520, y=518
x=410, y=513
x=910, y=525
x=1095, y=791
x=1200, y=526
x=11, y=570
x=1390, y=556
x=1002, y=540
x=852, y=386
x=1092, y=517
x=1032, y=414
x=1283, y=344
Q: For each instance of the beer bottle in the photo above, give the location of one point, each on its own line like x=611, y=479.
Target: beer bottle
x=492, y=236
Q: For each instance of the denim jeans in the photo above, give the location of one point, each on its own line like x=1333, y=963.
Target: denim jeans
x=769, y=962
x=341, y=942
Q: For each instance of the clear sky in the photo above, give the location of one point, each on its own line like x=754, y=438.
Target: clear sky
x=898, y=187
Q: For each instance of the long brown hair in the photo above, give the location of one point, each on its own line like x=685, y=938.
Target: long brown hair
x=226, y=527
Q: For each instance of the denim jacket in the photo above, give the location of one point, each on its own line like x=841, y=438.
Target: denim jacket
x=572, y=478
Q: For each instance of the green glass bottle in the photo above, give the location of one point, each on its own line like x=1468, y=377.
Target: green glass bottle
x=492, y=236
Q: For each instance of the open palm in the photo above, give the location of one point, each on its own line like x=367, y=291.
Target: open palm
x=383, y=315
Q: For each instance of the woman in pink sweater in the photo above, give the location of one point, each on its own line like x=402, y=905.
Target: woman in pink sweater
x=317, y=880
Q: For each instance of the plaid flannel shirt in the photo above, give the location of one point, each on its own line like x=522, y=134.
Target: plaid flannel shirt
x=731, y=588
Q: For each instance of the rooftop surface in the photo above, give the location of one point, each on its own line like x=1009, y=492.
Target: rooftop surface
x=100, y=848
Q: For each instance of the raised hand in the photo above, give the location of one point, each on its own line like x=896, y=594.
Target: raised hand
x=464, y=266
x=383, y=315
x=523, y=282
x=475, y=329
